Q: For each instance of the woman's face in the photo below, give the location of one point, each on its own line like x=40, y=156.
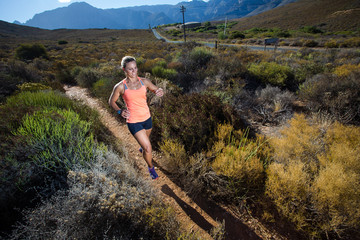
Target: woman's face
x=131, y=69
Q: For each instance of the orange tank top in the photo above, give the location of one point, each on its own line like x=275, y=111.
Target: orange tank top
x=135, y=100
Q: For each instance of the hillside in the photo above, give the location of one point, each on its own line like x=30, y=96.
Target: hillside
x=329, y=15
x=20, y=32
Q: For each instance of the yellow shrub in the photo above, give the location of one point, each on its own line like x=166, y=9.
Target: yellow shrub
x=346, y=69
x=300, y=141
x=337, y=197
x=174, y=154
x=288, y=185
x=32, y=87
x=238, y=157
x=314, y=178
x=343, y=146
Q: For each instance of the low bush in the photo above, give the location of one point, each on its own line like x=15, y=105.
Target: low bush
x=8, y=85
x=107, y=199
x=30, y=52
x=311, y=29
x=162, y=72
x=33, y=87
x=271, y=73
x=353, y=42
x=60, y=139
x=41, y=139
x=272, y=105
x=335, y=95
x=313, y=176
x=310, y=43
x=331, y=44
x=191, y=120
x=23, y=71
x=196, y=59
x=62, y=42
x=346, y=70
x=239, y=158
x=174, y=154
x=307, y=70
x=87, y=77
x=103, y=88
x=236, y=35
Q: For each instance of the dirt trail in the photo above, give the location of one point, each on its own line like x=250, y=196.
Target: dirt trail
x=196, y=215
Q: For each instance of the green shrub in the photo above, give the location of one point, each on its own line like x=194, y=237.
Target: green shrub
x=41, y=138
x=312, y=178
x=87, y=77
x=307, y=70
x=62, y=42
x=311, y=29
x=236, y=34
x=29, y=52
x=200, y=56
x=40, y=99
x=103, y=87
x=62, y=138
x=271, y=73
x=161, y=72
x=222, y=36
x=174, y=32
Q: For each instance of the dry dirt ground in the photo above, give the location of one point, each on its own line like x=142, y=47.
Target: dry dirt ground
x=196, y=215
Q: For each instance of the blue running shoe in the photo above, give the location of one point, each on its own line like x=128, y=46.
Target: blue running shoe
x=153, y=174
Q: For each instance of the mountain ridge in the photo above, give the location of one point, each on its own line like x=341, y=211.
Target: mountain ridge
x=81, y=15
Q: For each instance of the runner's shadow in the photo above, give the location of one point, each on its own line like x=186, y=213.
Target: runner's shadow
x=190, y=211
x=234, y=228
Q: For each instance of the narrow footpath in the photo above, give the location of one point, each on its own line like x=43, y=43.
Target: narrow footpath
x=198, y=215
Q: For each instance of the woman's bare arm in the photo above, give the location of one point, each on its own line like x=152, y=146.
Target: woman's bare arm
x=158, y=91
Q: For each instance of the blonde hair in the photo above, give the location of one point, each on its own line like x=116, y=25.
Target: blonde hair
x=125, y=60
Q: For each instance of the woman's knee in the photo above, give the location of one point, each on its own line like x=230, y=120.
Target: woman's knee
x=147, y=148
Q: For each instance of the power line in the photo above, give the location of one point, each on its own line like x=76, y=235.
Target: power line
x=182, y=10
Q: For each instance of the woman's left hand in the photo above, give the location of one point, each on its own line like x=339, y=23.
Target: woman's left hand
x=159, y=92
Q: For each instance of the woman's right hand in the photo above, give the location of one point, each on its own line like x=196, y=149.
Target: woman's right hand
x=125, y=113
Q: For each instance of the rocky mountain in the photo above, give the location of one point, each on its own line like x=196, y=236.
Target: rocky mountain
x=81, y=15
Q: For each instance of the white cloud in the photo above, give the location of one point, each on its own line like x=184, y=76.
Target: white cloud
x=64, y=1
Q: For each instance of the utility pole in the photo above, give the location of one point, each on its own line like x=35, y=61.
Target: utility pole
x=182, y=10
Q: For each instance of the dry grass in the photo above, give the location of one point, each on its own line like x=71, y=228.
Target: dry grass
x=331, y=15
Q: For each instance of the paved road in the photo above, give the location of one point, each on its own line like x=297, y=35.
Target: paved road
x=158, y=36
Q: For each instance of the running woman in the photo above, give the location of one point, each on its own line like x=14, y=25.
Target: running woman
x=133, y=90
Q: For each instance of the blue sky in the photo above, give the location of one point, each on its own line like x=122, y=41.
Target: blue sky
x=23, y=10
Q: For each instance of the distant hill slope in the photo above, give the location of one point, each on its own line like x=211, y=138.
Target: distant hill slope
x=329, y=15
x=13, y=30
x=9, y=32
x=80, y=15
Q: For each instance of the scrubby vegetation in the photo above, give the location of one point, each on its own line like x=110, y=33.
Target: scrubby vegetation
x=305, y=36
x=216, y=127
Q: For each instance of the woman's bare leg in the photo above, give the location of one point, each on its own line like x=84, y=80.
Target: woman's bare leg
x=142, y=137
